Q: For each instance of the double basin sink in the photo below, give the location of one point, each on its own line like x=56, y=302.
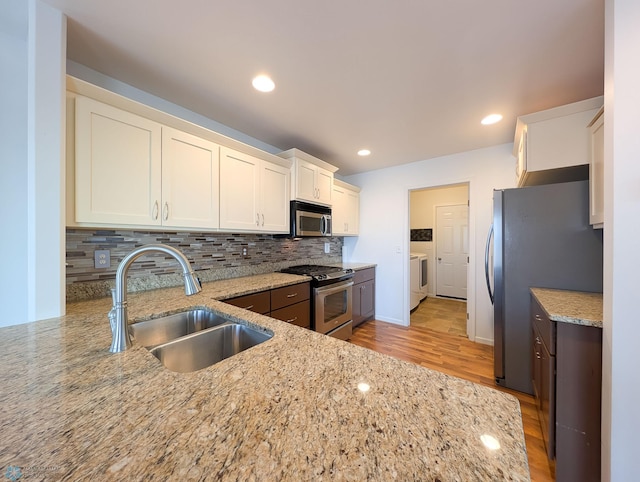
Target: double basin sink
x=195, y=339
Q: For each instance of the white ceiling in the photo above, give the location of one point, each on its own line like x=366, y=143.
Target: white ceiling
x=408, y=79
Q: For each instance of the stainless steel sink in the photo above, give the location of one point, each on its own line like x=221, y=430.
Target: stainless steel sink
x=200, y=350
x=164, y=329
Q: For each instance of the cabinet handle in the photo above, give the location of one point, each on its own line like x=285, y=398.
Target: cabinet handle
x=292, y=295
x=538, y=342
x=538, y=317
x=538, y=355
x=263, y=219
x=292, y=319
x=154, y=211
x=248, y=307
x=257, y=219
x=165, y=211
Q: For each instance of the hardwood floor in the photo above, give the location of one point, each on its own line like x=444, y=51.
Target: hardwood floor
x=442, y=315
x=457, y=356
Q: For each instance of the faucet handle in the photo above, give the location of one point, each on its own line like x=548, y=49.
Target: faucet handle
x=112, y=312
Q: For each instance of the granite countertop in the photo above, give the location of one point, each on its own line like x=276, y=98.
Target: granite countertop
x=356, y=266
x=288, y=409
x=578, y=307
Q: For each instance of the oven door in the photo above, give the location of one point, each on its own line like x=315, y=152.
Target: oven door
x=333, y=305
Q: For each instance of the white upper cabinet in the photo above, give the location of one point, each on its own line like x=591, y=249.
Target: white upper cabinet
x=190, y=180
x=132, y=171
x=551, y=145
x=254, y=193
x=118, y=166
x=596, y=171
x=345, y=212
x=311, y=178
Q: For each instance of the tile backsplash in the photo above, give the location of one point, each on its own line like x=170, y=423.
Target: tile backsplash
x=212, y=255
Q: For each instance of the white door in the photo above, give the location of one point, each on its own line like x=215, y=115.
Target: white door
x=189, y=180
x=452, y=250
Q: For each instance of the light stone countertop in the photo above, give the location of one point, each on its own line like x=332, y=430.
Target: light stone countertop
x=356, y=266
x=288, y=409
x=577, y=307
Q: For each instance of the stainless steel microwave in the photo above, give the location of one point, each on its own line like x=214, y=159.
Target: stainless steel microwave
x=309, y=220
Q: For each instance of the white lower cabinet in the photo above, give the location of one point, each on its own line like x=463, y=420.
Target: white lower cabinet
x=131, y=171
x=254, y=194
x=345, y=212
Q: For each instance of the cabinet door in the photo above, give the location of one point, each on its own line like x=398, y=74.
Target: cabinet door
x=306, y=181
x=324, y=185
x=117, y=166
x=275, y=182
x=190, y=180
x=339, y=211
x=367, y=299
x=353, y=212
x=239, y=177
x=596, y=173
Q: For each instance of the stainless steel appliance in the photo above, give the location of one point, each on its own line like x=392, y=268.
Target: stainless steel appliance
x=309, y=220
x=331, y=304
x=541, y=238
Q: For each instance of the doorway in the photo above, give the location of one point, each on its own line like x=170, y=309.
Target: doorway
x=439, y=221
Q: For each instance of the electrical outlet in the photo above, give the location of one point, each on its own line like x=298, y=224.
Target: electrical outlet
x=102, y=258
x=327, y=248
x=245, y=251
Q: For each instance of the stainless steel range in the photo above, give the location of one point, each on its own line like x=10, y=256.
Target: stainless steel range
x=332, y=298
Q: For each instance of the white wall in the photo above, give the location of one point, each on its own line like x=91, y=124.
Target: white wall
x=422, y=214
x=13, y=165
x=384, y=226
x=33, y=45
x=621, y=357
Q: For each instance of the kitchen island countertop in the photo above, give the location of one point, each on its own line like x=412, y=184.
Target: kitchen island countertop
x=288, y=409
x=577, y=307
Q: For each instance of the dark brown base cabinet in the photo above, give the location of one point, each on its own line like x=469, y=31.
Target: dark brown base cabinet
x=567, y=380
x=364, y=295
x=290, y=303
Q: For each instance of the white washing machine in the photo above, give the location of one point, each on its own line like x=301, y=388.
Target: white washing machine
x=422, y=287
x=414, y=278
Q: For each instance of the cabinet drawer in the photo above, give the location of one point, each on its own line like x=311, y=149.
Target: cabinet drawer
x=364, y=275
x=288, y=295
x=258, y=302
x=298, y=314
x=544, y=326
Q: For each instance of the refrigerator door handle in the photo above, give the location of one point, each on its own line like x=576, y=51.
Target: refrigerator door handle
x=486, y=263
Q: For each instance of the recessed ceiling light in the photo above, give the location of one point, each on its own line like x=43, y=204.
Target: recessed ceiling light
x=263, y=83
x=491, y=119
x=364, y=152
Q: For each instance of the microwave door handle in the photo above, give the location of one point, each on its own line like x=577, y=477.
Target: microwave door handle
x=323, y=225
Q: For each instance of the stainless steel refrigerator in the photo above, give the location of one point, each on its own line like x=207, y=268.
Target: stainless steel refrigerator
x=541, y=237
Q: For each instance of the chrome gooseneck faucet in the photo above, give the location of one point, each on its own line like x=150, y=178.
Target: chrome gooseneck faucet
x=118, y=314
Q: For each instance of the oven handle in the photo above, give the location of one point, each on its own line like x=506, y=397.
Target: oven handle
x=331, y=289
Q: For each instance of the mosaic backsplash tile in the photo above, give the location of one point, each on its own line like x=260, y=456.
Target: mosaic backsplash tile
x=213, y=256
